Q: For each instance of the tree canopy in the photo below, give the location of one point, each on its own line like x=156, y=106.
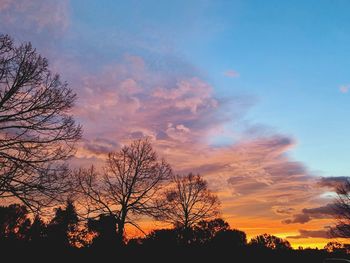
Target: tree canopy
x=37, y=131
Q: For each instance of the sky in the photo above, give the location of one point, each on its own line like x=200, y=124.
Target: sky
x=253, y=95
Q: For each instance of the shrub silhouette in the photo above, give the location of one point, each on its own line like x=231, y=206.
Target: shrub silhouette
x=14, y=222
x=62, y=227
x=231, y=238
x=270, y=242
x=206, y=230
x=105, y=228
x=37, y=232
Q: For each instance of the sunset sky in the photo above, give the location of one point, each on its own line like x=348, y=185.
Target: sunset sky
x=253, y=95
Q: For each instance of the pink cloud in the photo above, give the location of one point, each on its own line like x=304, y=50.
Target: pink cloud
x=188, y=94
x=5, y=4
x=231, y=73
x=127, y=99
x=40, y=14
x=344, y=88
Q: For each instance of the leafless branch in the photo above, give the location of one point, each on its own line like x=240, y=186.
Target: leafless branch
x=37, y=131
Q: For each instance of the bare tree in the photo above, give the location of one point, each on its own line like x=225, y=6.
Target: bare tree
x=128, y=187
x=189, y=201
x=342, y=211
x=37, y=131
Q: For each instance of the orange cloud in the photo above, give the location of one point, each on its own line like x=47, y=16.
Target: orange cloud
x=312, y=233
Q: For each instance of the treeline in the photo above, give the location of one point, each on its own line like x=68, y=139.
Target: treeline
x=67, y=237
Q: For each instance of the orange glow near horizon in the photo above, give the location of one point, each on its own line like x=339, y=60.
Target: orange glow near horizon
x=253, y=228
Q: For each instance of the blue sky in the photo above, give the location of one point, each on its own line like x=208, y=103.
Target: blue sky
x=291, y=56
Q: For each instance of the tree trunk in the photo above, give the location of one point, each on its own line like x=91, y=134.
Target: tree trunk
x=121, y=227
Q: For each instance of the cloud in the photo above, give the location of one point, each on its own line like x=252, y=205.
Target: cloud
x=96, y=147
x=254, y=178
x=344, y=88
x=323, y=233
x=231, y=73
x=190, y=94
x=39, y=15
x=299, y=218
x=308, y=214
x=284, y=210
x=44, y=23
x=128, y=99
x=322, y=210
x=333, y=182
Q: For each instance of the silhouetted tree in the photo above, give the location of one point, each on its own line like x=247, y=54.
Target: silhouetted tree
x=342, y=210
x=128, y=187
x=105, y=228
x=162, y=238
x=187, y=202
x=270, y=242
x=231, y=238
x=37, y=131
x=206, y=231
x=37, y=231
x=135, y=242
x=334, y=246
x=14, y=222
x=63, y=226
x=218, y=233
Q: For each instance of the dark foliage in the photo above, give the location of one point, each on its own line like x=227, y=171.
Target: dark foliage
x=213, y=241
x=61, y=229
x=105, y=228
x=14, y=222
x=267, y=241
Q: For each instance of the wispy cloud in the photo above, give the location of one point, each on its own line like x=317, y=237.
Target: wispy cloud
x=322, y=233
x=308, y=214
x=333, y=182
x=231, y=73
x=344, y=88
x=39, y=15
